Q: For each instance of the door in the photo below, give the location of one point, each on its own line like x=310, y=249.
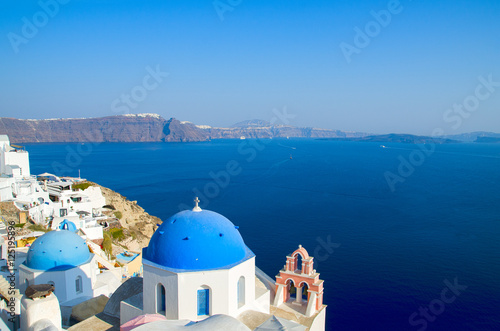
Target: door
x=203, y=302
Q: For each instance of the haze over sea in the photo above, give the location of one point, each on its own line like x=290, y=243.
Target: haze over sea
x=389, y=253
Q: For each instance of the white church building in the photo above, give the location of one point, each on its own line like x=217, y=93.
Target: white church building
x=197, y=265
x=62, y=258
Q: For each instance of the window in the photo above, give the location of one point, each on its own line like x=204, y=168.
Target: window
x=63, y=212
x=241, y=292
x=305, y=292
x=78, y=284
x=203, y=302
x=160, y=299
x=299, y=263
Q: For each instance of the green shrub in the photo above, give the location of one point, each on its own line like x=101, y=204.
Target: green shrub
x=81, y=186
x=19, y=225
x=117, y=233
x=106, y=243
x=38, y=227
x=118, y=214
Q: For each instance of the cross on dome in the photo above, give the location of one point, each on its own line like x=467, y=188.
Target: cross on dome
x=196, y=207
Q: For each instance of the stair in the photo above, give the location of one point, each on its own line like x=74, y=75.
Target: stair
x=5, y=289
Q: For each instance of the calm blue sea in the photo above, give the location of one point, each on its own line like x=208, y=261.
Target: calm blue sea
x=383, y=255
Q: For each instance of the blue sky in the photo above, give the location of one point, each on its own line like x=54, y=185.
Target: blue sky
x=232, y=60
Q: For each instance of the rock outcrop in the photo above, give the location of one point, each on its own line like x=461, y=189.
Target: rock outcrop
x=9, y=212
x=139, y=226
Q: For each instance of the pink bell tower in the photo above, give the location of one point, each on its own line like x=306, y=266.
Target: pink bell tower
x=300, y=276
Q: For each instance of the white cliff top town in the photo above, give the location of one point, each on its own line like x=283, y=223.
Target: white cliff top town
x=196, y=272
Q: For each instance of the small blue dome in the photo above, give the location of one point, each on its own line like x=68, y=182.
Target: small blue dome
x=57, y=250
x=197, y=240
x=68, y=225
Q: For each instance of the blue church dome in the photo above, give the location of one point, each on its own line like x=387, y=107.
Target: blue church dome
x=197, y=240
x=57, y=250
x=68, y=225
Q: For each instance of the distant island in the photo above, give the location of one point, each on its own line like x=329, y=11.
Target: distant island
x=154, y=128
x=401, y=138
x=487, y=139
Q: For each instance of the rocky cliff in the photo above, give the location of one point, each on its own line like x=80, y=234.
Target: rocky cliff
x=147, y=128
x=9, y=212
x=122, y=128
x=176, y=131
x=138, y=224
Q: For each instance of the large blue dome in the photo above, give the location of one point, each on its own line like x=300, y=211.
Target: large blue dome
x=57, y=250
x=197, y=240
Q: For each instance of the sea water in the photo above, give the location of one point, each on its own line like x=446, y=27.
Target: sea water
x=385, y=251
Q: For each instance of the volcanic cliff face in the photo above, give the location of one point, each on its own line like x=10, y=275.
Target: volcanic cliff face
x=183, y=132
x=124, y=128
x=147, y=128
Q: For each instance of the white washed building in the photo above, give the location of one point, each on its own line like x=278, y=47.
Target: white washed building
x=196, y=266
x=13, y=159
x=63, y=259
